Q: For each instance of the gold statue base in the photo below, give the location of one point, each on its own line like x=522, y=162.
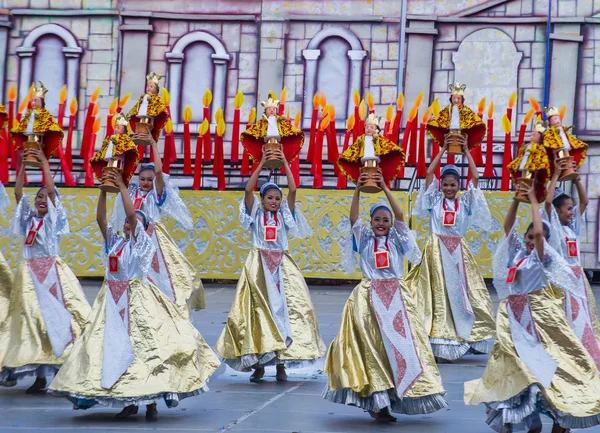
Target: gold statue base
x=569, y=173
x=527, y=180
x=454, y=140
x=272, y=162
x=144, y=126
x=34, y=142
x=370, y=168
x=108, y=185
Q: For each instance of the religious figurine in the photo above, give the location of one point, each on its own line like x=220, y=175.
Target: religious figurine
x=118, y=153
x=369, y=154
x=456, y=123
x=272, y=132
x=532, y=166
x=37, y=130
x=563, y=145
x=149, y=115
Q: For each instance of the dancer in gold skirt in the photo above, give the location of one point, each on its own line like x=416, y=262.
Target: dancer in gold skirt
x=47, y=309
x=537, y=364
x=6, y=275
x=137, y=347
x=272, y=320
x=456, y=305
x=158, y=197
x=381, y=355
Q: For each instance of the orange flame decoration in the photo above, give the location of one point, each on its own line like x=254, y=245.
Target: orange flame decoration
x=219, y=115
x=356, y=97
x=490, y=112
x=322, y=99
x=419, y=98
x=96, y=126
x=12, y=92
x=252, y=116
x=125, y=99
x=30, y=93
x=207, y=98
x=220, y=127
x=165, y=96
x=73, y=106
x=169, y=126
x=512, y=100
x=562, y=111
x=316, y=101
x=62, y=95
x=297, y=118
x=481, y=105
x=389, y=112
x=23, y=105
x=288, y=115
x=95, y=95
x=187, y=114
x=203, y=127
x=534, y=104
x=331, y=111
x=400, y=101
x=238, y=100
x=283, y=95
x=391, y=128
x=426, y=115
x=506, y=125
x=413, y=113
x=528, y=116
x=435, y=107
x=362, y=110
x=350, y=122
x=370, y=102
x=324, y=123
x=96, y=109
x=113, y=107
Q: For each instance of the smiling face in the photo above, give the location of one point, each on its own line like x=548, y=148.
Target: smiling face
x=41, y=202
x=449, y=186
x=272, y=200
x=147, y=180
x=555, y=121
x=381, y=222
x=566, y=210
x=36, y=103
x=270, y=111
x=151, y=88
x=127, y=227
x=529, y=240
x=120, y=129
x=370, y=129
x=456, y=99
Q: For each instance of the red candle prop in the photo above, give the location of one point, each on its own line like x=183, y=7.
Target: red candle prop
x=62, y=97
x=187, y=145
x=170, y=148
x=219, y=155
x=69, y=151
x=397, y=118
x=12, y=96
x=522, y=129
x=488, y=172
x=206, y=100
x=389, y=112
x=370, y=103
x=412, y=153
x=219, y=117
x=313, y=128
x=318, y=157
x=362, y=115
x=125, y=99
x=356, y=130
x=408, y=130
x=235, y=132
x=112, y=108
x=506, y=125
x=535, y=105
x=169, y=144
x=245, y=169
x=342, y=182
x=421, y=166
x=89, y=176
x=332, y=147
x=202, y=131
x=282, y=98
x=90, y=146
x=89, y=123
x=296, y=163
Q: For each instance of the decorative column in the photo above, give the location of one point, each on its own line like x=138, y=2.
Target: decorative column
x=72, y=57
x=310, y=81
x=25, y=55
x=220, y=62
x=175, y=61
x=356, y=75
x=135, y=31
x=5, y=26
x=563, y=68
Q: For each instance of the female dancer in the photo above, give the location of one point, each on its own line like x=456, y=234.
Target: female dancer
x=137, y=347
x=271, y=320
x=6, y=275
x=381, y=356
x=566, y=223
x=537, y=364
x=157, y=196
x=457, y=310
x=47, y=309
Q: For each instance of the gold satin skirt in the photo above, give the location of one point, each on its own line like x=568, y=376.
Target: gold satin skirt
x=6, y=282
x=358, y=367
x=428, y=284
x=189, y=291
x=511, y=391
x=25, y=347
x=172, y=360
x=251, y=337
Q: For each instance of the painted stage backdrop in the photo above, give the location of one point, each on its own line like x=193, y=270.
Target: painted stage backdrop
x=248, y=48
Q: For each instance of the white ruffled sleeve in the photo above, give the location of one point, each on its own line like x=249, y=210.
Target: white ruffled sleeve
x=506, y=251
x=248, y=216
x=476, y=205
x=578, y=220
x=118, y=216
x=171, y=204
x=556, y=231
x=350, y=243
x=427, y=199
x=58, y=217
x=142, y=248
x=4, y=200
x=403, y=237
x=295, y=222
x=558, y=271
x=111, y=238
x=23, y=216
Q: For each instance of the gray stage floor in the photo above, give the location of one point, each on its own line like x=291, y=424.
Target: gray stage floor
x=234, y=404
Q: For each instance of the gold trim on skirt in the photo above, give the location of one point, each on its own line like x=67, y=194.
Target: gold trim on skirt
x=6, y=282
x=251, y=337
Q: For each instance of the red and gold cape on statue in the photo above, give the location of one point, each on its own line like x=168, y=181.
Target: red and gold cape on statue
x=292, y=139
x=391, y=158
x=3, y=116
x=156, y=109
x=42, y=123
x=537, y=162
x=470, y=124
x=122, y=145
x=553, y=141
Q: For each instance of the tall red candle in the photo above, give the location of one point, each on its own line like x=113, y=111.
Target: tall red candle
x=69, y=150
x=4, y=158
x=412, y=153
x=488, y=172
x=506, y=125
x=202, y=129
x=245, y=168
x=421, y=166
x=187, y=144
x=313, y=128
x=219, y=155
x=318, y=162
x=282, y=99
x=88, y=124
x=435, y=149
x=235, y=131
x=206, y=100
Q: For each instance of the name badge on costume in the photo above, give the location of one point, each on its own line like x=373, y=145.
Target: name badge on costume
x=449, y=218
x=30, y=239
x=270, y=233
x=137, y=203
x=382, y=259
x=113, y=264
x=512, y=274
x=572, y=248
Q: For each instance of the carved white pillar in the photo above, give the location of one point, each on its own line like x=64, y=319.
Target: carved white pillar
x=220, y=62
x=310, y=81
x=5, y=26
x=356, y=75
x=72, y=57
x=175, y=70
x=25, y=55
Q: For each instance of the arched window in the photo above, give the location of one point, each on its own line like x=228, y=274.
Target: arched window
x=333, y=63
x=49, y=53
x=197, y=61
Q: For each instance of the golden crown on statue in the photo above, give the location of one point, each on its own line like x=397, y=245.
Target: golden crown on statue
x=40, y=92
x=153, y=77
x=457, y=88
x=551, y=111
x=372, y=120
x=270, y=103
x=540, y=127
x=121, y=119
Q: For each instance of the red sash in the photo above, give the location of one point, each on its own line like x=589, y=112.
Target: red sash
x=450, y=216
x=270, y=231
x=512, y=271
x=32, y=234
x=113, y=260
x=382, y=258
